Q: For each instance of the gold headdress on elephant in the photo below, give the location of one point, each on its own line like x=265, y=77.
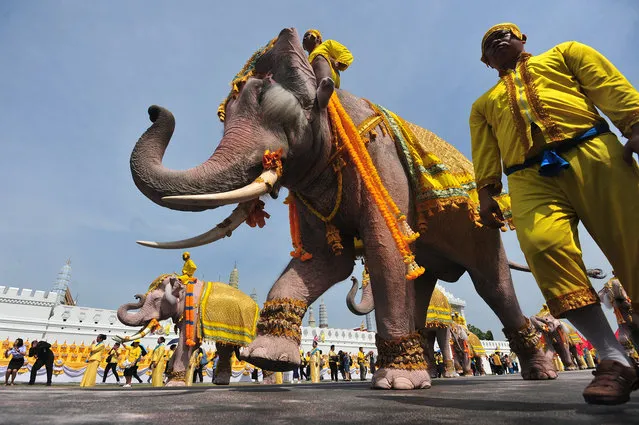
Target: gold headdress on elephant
x=500, y=27
x=247, y=71
x=156, y=283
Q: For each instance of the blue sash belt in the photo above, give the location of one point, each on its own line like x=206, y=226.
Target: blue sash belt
x=551, y=162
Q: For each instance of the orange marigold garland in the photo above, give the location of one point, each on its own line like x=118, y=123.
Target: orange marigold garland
x=272, y=160
x=296, y=236
x=189, y=313
x=395, y=220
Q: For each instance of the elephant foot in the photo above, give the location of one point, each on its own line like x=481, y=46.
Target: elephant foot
x=526, y=343
x=402, y=364
x=571, y=367
x=272, y=353
x=400, y=379
x=449, y=374
x=222, y=377
x=176, y=383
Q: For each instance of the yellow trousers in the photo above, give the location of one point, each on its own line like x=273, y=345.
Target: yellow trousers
x=600, y=190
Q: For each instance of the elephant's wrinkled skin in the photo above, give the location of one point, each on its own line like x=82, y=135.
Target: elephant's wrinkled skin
x=161, y=304
x=284, y=107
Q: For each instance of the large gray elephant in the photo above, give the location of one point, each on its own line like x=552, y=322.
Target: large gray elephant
x=166, y=299
x=281, y=107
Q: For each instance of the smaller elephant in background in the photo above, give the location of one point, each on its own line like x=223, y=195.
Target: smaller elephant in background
x=222, y=314
x=439, y=326
x=555, y=336
x=613, y=296
x=477, y=352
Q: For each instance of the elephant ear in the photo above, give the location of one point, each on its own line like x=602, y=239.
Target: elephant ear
x=288, y=64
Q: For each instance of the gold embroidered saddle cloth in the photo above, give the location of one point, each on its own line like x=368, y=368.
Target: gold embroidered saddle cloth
x=227, y=314
x=440, y=175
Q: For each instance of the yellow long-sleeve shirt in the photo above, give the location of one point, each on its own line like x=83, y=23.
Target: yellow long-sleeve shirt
x=338, y=52
x=96, y=352
x=189, y=268
x=558, y=91
x=133, y=354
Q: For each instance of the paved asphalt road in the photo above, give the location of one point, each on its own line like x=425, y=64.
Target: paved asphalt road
x=473, y=400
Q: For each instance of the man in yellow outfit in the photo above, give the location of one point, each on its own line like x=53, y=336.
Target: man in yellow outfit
x=328, y=58
x=158, y=363
x=563, y=165
x=189, y=268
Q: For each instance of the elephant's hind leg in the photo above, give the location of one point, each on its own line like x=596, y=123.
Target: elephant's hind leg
x=224, y=366
x=490, y=274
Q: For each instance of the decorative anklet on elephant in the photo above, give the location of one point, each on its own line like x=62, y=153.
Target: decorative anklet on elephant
x=353, y=169
x=221, y=314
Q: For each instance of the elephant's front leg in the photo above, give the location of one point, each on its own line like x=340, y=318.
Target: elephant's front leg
x=180, y=359
x=401, y=364
x=277, y=345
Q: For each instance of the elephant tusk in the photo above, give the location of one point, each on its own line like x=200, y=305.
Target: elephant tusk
x=150, y=327
x=261, y=186
x=225, y=228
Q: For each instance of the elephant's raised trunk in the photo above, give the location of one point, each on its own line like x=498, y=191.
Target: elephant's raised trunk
x=133, y=319
x=366, y=305
x=224, y=171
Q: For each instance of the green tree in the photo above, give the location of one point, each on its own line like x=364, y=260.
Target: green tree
x=487, y=336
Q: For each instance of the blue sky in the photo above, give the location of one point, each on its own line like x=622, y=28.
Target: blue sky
x=77, y=77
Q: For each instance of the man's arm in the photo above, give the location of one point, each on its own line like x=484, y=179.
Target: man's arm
x=487, y=165
x=342, y=57
x=604, y=85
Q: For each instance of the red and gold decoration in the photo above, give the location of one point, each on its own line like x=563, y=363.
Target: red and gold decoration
x=282, y=317
x=401, y=353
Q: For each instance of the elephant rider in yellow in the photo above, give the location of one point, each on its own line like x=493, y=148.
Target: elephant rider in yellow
x=563, y=165
x=158, y=363
x=189, y=268
x=336, y=54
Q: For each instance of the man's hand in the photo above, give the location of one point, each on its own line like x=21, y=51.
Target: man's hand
x=632, y=145
x=489, y=210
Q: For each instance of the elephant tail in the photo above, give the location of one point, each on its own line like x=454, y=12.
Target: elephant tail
x=366, y=305
x=519, y=267
x=595, y=273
